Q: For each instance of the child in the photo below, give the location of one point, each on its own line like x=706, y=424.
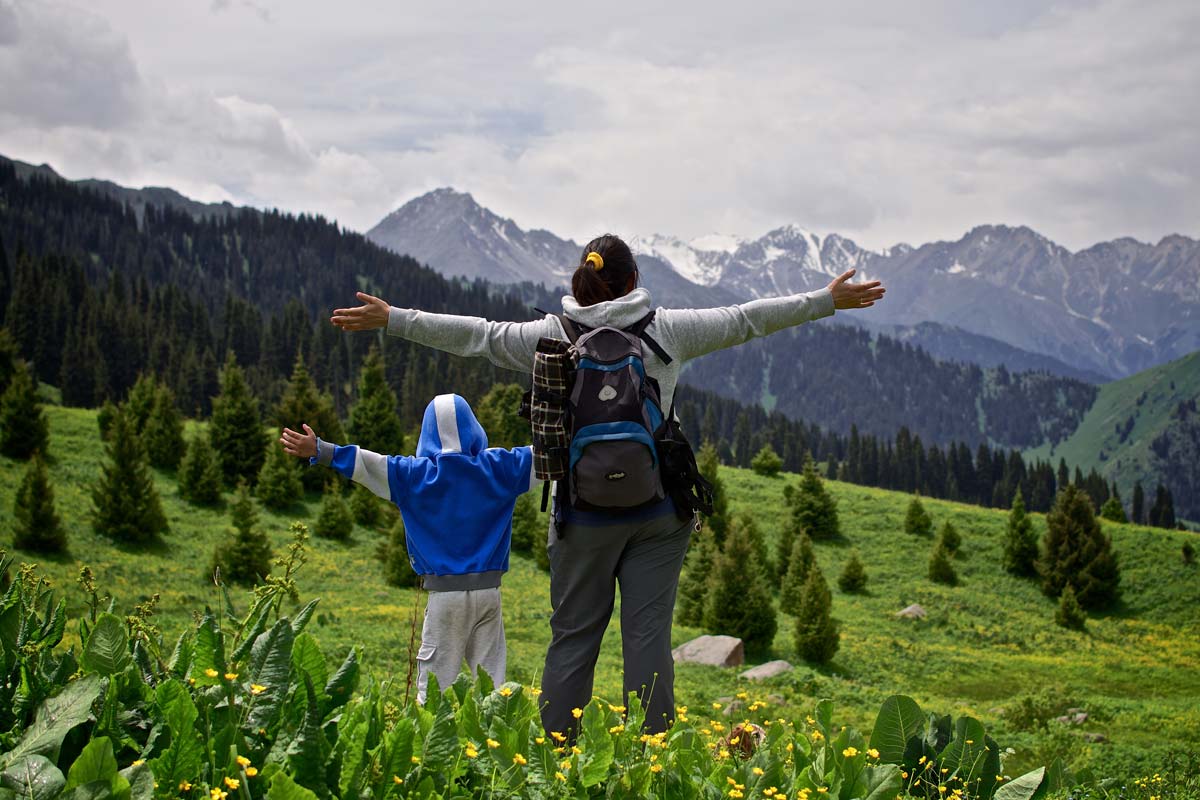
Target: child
x=456, y=497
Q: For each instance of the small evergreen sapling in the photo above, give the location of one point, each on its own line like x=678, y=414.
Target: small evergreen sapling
x=916, y=521
x=801, y=560
x=1188, y=553
x=397, y=568
x=766, y=462
x=813, y=509
x=708, y=460
x=541, y=550
x=140, y=401
x=279, y=484
x=1069, y=613
x=949, y=538
x=1020, y=543
x=1113, y=511
x=940, y=568
x=366, y=507
x=1075, y=551
x=125, y=503
x=738, y=603
x=854, y=577
x=693, y=583
x=302, y=403
x=374, y=423
x=23, y=428
x=236, y=430
x=245, y=556
x=817, y=636
x=163, y=433
x=104, y=419
x=526, y=522
x=335, y=520
x=200, y=478
x=36, y=523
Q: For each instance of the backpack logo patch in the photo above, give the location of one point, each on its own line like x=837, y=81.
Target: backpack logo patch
x=607, y=393
x=615, y=476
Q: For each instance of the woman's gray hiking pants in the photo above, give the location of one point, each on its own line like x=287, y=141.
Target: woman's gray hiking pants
x=586, y=563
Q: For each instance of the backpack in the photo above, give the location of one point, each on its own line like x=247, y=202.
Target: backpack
x=598, y=426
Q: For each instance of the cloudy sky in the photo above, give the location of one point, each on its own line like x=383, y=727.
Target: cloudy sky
x=886, y=121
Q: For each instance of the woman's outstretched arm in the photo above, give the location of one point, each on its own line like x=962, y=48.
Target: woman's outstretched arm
x=506, y=344
x=693, y=332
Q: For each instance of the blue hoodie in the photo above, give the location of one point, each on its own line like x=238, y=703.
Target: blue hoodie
x=456, y=495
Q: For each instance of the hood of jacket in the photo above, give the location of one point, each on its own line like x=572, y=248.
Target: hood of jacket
x=619, y=313
x=449, y=426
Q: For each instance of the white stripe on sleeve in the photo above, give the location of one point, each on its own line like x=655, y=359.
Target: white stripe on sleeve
x=371, y=470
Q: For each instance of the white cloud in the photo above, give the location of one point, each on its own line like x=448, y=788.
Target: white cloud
x=884, y=123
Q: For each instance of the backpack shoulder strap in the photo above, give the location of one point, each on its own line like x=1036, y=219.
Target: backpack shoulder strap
x=638, y=329
x=573, y=329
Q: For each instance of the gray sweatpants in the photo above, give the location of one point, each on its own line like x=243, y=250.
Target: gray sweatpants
x=461, y=626
x=586, y=563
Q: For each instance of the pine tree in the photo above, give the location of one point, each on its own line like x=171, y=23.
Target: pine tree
x=813, y=509
x=365, y=507
x=200, y=478
x=1138, y=512
x=279, y=484
x=1113, y=511
x=1075, y=551
x=104, y=418
x=335, y=520
x=1020, y=544
x=853, y=578
x=709, y=463
x=526, y=522
x=800, y=561
x=766, y=462
x=236, y=430
x=23, y=428
x=949, y=538
x=36, y=525
x=916, y=520
x=693, y=583
x=125, y=503
x=163, y=433
x=497, y=413
x=1069, y=613
x=738, y=603
x=1162, y=513
x=397, y=569
x=140, y=402
x=9, y=355
x=817, y=636
x=302, y=403
x=245, y=557
x=374, y=423
x=940, y=568
x=1188, y=553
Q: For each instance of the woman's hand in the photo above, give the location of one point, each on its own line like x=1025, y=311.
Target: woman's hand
x=301, y=445
x=372, y=314
x=854, y=295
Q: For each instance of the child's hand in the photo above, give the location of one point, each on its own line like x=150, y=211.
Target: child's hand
x=301, y=445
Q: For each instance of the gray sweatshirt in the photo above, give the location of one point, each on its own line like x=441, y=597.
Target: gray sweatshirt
x=683, y=333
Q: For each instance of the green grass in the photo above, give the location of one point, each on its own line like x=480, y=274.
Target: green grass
x=1160, y=390
x=1136, y=669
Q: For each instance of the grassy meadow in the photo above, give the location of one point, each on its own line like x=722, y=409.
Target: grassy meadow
x=985, y=644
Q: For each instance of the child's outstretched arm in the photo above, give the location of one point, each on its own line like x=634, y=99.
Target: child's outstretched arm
x=361, y=466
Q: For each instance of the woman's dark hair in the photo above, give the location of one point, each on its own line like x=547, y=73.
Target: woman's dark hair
x=591, y=286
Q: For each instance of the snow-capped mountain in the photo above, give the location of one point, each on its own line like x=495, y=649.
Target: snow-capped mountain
x=1113, y=309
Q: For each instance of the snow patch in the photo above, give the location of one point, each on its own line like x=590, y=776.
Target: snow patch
x=717, y=243
x=956, y=268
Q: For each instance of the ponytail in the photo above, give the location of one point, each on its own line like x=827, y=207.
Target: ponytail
x=604, y=271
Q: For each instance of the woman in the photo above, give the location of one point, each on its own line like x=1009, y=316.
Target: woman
x=642, y=550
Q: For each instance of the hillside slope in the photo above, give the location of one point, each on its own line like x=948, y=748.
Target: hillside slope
x=1144, y=427
x=985, y=643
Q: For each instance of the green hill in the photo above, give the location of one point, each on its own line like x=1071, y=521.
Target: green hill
x=987, y=647
x=1142, y=428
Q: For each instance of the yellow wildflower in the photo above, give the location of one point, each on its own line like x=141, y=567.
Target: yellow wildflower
x=210, y=672
x=243, y=761
x=656, y=767
x=757, y=771
x=251, y=772
x=471, y=752
x=723, y=753
x=558, y=737
x=850, y=752
x=534, y=691
x=539, y=740
x=560, y=777
x=941, y=789
x=921, y=760
x=504, y=691
x=731, y=781
x=822, y=790
x=617, y=709
x=817, y=736
x=257, y=688
x=184, y=786
x=734, y=793
x=231, y=676
x=680, y=709
x=416, y=759
x=742, y=696
x=575, y=749
x=232, y=783
x=810, y=720
x=790, y=747
x=873, y=753
x=138, y=763
x=716, y=706
x=217, y=794
x=617, y=729
x=565, y=766
x=576, y=712
x=519, y=759
x=492, y=743
x=396, y=779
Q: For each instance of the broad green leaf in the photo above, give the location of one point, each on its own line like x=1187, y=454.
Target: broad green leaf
x=260, y=625
x=55, y=625
x=33, y=778
x=899, y=720
x=308, y=750
x=181, y=657
x=308, y=659
x=598, y=748
x=208, y=652
x=95, y=763
x=182, y=759
x=881, y=782
x=140, y=780
x=56, y=717
x=825, y=718
x=398, y=750
x=300, y=621
x=284, y=788
x=271, y=665
x=107, y=648
x=441, y=744
x=1022, y=788
x=341, y=685
x=351, y=746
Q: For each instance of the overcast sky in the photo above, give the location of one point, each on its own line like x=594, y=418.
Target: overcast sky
x=884, y=121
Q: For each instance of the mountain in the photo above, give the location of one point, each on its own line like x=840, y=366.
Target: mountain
x=1143, y=428
x=1101, y=313
x=452, y=233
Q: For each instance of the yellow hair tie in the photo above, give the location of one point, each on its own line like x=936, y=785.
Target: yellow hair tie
x=596, y=260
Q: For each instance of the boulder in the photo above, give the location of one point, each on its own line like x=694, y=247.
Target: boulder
x=1095, y=738
x=915, y=611
x=715, y=651
x=767, y=670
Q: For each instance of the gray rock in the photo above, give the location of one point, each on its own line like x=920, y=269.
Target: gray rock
x=735, y=707
x=716, y=651
x=1095, y=738
x=915, y=611
x=767, y=670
